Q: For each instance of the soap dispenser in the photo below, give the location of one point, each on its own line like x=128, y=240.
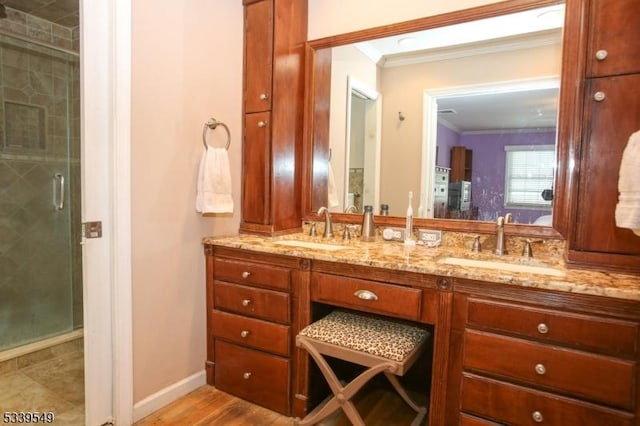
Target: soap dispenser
x=368, y=227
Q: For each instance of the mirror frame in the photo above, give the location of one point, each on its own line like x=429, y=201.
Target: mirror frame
x=316, y=149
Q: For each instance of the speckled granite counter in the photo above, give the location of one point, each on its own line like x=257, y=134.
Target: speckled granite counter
x=394, y=255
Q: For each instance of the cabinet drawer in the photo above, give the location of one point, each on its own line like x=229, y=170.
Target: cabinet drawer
x=595, y=377
x=252, y=332
x=255, y=376
x=511, y=404
x=467, y=420
x=581, y=331
x=254, y=302
x=248, y=273
x=370, y=296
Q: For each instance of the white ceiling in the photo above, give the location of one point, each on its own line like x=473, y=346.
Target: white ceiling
x=488, y=111
x=532, y=109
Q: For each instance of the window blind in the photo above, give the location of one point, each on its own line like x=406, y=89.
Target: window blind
x=529, y=169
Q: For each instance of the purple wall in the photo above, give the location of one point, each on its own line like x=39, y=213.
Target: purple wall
x=487, y=187
x=445, y=139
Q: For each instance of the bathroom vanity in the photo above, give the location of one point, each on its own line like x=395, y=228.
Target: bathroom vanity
x=509, y=346
x=516, y=340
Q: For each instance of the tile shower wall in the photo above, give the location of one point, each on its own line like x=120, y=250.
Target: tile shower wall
x=39, y=136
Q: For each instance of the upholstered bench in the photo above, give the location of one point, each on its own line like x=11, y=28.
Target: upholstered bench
x=383, y=345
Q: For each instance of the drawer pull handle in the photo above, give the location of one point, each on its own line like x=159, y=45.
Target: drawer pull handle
x=601, y=55
x=244, y=334
x=537, y=416
x=540, y=369
x=366, y=295
x=263, y=96
x=599, y=96
x=262, y=124
x=542, y=328
x=246, y=302
x=246, y=274
x=246, y=376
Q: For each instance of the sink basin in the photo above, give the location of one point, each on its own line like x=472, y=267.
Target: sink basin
x=310, y=245
x=502, y=266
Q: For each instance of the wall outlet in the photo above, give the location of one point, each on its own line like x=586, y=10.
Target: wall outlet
x=430, y=236
x=395, y=234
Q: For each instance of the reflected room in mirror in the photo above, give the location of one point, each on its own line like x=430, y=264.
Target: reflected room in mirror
x=464, y=116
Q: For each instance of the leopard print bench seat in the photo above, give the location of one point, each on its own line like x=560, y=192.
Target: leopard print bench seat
x=384, y=346
x=384, y=338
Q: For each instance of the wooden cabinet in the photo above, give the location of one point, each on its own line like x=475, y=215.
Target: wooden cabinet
x=611, y=113
x=275, y=32
x=250, y=325
x=461, y=164
x=524, y=358
x=613, y=38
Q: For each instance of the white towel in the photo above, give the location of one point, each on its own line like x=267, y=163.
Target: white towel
x=628, y=208
x=333, y=190
x=214, y=183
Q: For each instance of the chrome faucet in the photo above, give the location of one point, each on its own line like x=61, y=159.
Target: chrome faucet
x=328, y=227
x=500, y=243
x=351, y=209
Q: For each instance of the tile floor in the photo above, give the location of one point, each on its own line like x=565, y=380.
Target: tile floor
x=46, y=381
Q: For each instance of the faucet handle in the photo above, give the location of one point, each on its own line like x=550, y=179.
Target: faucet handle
x=476, y=247
x=526, y=248
x=346, y=234
x=312, y=230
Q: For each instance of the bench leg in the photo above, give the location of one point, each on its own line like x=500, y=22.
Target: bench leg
x=342, y=394
x=422, y=411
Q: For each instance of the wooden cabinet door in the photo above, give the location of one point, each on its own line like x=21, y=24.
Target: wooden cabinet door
x=258, y=56
x=608, y=125
x=614, y=42
x=256, y=168
x=461, y=160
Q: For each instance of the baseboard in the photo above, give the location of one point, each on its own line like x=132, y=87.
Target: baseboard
x=167, y=395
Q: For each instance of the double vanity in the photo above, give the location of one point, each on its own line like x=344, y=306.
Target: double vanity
x=516, y=340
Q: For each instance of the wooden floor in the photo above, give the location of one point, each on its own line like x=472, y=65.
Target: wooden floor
x=209, y=406
x=377, y=404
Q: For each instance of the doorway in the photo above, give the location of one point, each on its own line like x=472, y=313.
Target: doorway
x=363, y=142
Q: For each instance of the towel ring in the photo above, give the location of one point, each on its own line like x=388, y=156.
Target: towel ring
x=212, y=123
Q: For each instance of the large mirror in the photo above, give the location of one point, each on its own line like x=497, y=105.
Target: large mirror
x=464, y=116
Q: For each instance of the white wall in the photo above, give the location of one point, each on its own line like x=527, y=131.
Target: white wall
x=186, y=67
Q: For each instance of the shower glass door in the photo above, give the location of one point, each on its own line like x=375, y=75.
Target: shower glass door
x=40, y=266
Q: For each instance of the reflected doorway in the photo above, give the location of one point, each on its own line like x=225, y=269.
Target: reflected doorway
x=362, y=159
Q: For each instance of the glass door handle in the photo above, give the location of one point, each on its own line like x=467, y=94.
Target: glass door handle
x=58, y=193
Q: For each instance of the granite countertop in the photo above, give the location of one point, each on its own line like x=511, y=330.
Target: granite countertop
x=546, y=270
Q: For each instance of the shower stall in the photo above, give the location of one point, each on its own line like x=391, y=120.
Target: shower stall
x=40, y=256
